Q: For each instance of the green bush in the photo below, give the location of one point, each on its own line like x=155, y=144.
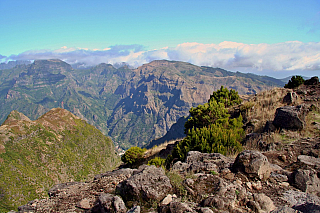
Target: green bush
x=133, y=156
x=226, y=97
x=294, y=82
x=210, y=129
x=157, y=161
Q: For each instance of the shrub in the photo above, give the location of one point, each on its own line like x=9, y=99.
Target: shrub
x=157, y=161
x=226, y=97
x=294, y=82
x=133, y=156
x=210, y=129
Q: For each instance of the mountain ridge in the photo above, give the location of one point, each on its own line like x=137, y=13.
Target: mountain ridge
x=133, y=106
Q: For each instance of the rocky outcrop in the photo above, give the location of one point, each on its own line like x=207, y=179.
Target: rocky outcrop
x=253, y=163
x=149, y=183
x=312, y=81
x=291, y=117
x=197, y=161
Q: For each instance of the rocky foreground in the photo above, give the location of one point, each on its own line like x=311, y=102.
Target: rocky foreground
x=283, y=176
x=208, y=183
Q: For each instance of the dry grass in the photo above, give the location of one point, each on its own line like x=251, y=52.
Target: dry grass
x=154, y=151
x=262, y=106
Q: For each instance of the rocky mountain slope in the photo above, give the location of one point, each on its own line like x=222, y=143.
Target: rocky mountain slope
x=277, y=172
x=133, y=106
x=57, y=147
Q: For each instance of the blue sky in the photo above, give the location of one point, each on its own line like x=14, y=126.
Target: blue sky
x=219, y=33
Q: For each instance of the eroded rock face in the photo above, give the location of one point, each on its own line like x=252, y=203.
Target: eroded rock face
x=253, y=164
x=148, y=183
x=291, y=117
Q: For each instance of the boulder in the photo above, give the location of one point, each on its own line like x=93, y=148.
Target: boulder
x=309, y=160
x=305, y=180
x=290, y=98
x=148, y=183
x=265, y=203
x=296, y=198
x=84, y=204
x=253, y=164
x=203, y=162
x=207, y=161
x=290, y=117
x=312, y=81
x=111, y=203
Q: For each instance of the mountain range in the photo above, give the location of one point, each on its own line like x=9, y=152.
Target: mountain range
x=132, y=106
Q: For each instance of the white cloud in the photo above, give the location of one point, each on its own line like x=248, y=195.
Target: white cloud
x=291, y=55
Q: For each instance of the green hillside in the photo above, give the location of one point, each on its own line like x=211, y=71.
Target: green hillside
x=58, y=147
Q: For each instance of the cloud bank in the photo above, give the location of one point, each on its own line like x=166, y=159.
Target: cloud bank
x=290, y=56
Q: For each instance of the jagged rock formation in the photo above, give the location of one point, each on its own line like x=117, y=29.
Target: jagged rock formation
x=56, y=148
x=133, y=106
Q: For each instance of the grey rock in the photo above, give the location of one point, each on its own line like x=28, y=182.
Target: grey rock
x=253, y=163
x=149, y=183
x=291, y=117
x=180, y=167
x=278, y=177
x=296, y=198
x=309, y=160
x=207, y=161
x=305, y=180
x=111, y=203
x=265, y=203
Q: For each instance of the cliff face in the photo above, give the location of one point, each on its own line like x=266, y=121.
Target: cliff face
x=57, y=147
x=133, y=106
x=161, y=92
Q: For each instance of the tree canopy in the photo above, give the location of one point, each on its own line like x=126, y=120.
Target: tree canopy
x=294, y=82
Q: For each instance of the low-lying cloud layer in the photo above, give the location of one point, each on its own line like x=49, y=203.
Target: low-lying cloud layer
x=291, y=55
